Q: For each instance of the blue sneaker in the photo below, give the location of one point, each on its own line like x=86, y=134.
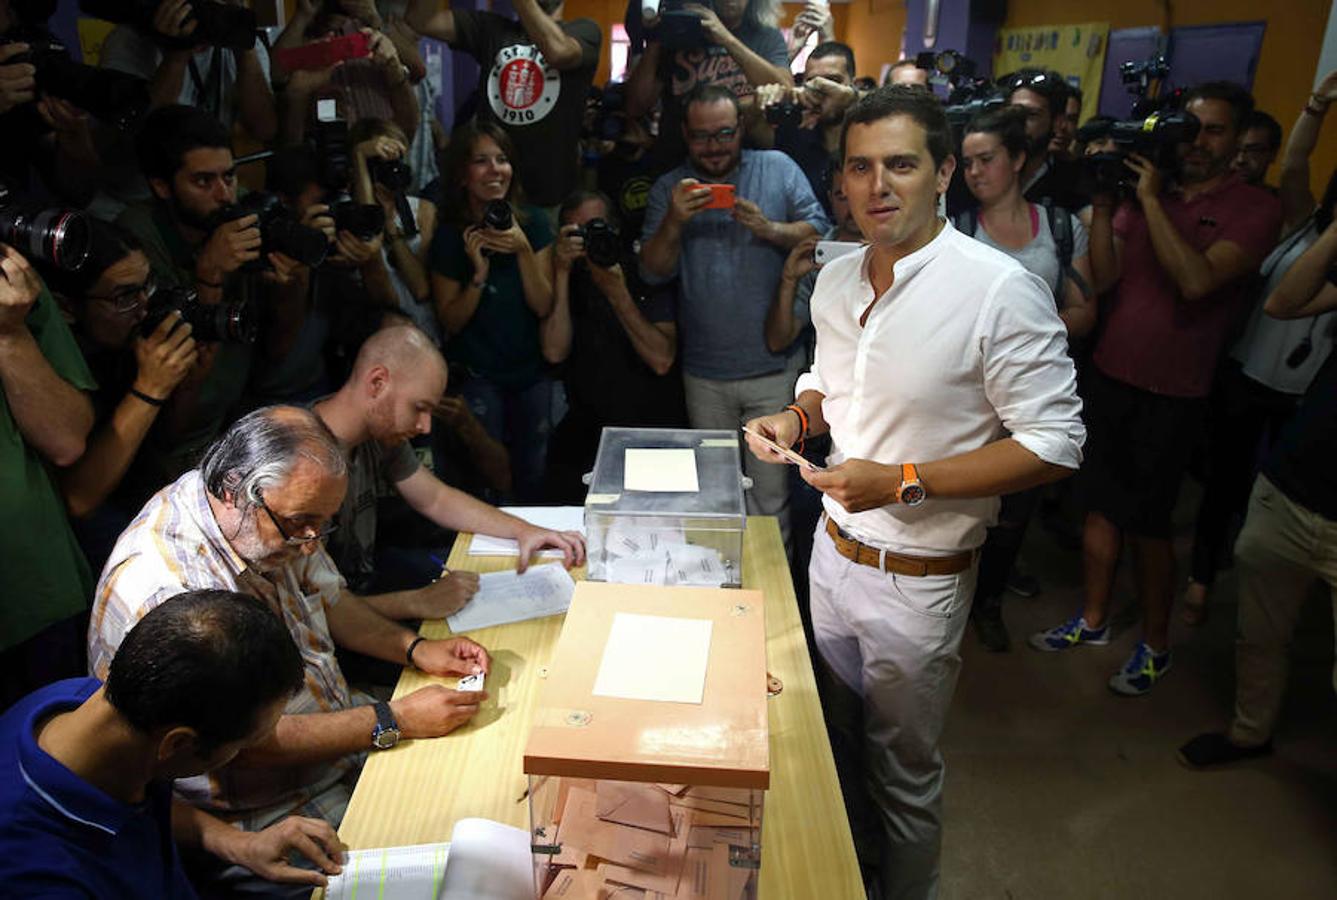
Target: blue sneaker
x=1070, y=634
x=1143, y=669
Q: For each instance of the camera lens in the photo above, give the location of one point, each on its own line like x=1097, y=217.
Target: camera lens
x=60, y=237
x=497, y=215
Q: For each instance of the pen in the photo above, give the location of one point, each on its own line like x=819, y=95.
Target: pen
x=440, y=562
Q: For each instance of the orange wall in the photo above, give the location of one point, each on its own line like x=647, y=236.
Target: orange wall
x=873, y=33
x=1285, y=73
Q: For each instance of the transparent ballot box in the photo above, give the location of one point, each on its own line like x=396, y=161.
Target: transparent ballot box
x=665, y=506
x=648, y=760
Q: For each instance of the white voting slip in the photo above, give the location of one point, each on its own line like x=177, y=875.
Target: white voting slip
x=655, y=658
x=558, y=518
x=505, y=597
x=663, y=470
x=483, y=860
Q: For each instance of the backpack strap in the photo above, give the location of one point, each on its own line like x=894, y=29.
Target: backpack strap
x=1060, y=228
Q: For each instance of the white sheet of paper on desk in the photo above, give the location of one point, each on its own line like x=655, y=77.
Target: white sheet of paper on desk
x=558, y=518
x=505, y=597
x=393, y=873
x=660, y=470
x=655, y=658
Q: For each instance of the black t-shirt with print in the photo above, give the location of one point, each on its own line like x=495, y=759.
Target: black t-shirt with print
x=540, y=107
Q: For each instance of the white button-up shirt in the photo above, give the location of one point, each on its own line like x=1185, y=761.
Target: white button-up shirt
x=964, y=347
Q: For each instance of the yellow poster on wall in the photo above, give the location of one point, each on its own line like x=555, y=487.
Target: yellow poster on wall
x=1078, y=51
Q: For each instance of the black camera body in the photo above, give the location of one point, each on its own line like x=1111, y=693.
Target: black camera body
x=785, y=113
x=233, y=323
x=52, y=235
x=280, y=232
x=216, y=24
x=680, y=28
x=603, y=242
x=363, y=220
x=114, y=97
x=391, y=174
x=1157, y=137
x=497, y=215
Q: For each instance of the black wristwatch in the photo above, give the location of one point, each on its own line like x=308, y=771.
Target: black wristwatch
x=386, y=733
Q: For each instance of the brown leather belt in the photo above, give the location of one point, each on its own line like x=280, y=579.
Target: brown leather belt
x=899, y=563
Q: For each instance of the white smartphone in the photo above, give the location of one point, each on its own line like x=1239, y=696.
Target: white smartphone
x=829, y=250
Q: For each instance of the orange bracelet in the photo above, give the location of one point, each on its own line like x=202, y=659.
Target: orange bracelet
x=802, y=423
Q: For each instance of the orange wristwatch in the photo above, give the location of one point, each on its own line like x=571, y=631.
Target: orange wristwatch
x=911, y=492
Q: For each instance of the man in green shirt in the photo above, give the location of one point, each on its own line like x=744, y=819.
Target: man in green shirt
x=45, y=418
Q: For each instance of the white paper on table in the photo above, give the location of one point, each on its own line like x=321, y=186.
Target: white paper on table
x=655, y=658
x=394, y=873
x=489, y=861
x=660, y=469
x=505, y=597
x=558, y=518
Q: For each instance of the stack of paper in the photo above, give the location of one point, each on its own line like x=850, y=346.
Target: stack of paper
x=505, y=597
x=558, y=518
x=659, y=555
x=630, y=840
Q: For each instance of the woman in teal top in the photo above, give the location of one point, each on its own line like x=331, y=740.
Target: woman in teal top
x=491, y=286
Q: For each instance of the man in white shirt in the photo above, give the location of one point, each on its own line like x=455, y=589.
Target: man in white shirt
x=931, y=348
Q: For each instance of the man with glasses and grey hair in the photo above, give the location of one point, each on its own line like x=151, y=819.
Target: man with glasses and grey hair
x=722, y=224
x=252, y=519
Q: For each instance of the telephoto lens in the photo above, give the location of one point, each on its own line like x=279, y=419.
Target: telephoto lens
x=59, y=237
x=497, y=215
x=391, y=174
x=362, y=220
x=280, y=232
x=233, y=323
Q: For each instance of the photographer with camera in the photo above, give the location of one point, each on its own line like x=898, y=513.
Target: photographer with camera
x=616, y=339
x=47, y=416
x=804, y=122
x=1178, y=257
x=536, y=73
x=184, y=67
x=492, y=283
x=732, y=43
x=197, y=238
x=1047, y=175
x=723, y=223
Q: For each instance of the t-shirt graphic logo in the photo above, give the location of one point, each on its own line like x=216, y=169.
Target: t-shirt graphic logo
x=522, y=88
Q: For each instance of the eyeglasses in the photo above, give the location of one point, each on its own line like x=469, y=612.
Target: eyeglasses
x=297, y=540
x=129, y=299
x=723, y=136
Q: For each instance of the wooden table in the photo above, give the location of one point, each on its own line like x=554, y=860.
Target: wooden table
x=416, y=792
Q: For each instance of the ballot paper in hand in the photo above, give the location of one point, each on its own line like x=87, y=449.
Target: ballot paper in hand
x=666, y=470
x=484, y=860
x=558, y=518
x=505, y=597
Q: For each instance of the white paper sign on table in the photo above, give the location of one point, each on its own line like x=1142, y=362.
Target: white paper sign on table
x=558, y=518
x=505, y=597
x=660, y=469
x=655, y=658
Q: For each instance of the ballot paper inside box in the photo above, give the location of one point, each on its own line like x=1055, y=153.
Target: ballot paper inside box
x=665, y=507
x=648, y=760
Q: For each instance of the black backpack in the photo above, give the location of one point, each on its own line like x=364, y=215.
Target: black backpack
x=1060, y=227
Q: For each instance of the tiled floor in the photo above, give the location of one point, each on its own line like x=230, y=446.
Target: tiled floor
x=1057, y=788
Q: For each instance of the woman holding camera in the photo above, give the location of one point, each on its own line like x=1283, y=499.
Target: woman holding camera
x=491, y=282
x=993, y=155
x=381, y=177
x=109, y=300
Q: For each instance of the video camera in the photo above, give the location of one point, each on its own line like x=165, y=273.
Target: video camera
x=52, y=235
x=970, y=94
x=1156, y=137
x=216, y=24
x=280, y=232
x=233, y=323
x=114, y=97
x=1145, y=80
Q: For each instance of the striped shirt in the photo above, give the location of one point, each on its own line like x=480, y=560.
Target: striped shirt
x=175, y=545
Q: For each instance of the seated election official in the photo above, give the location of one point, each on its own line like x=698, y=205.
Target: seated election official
x=252, y=519
x=930, y=348
x=397, y=381
x=86, y=805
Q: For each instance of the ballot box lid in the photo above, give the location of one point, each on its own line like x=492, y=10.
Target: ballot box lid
x=622, y=645
x=718, y=469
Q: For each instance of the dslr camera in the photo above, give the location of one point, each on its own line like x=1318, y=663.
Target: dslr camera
x=603, y=242
x=233, y=323
x=679, y=28
x=363, y=220
x=1157, y=137
x=216, y=24
x=280, y=232
x=114, y=97
x=52, y=235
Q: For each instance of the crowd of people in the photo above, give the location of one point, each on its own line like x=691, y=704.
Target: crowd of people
x=240, y=426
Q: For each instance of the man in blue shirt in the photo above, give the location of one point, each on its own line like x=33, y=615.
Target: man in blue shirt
x=728, y=263
x=86, y=768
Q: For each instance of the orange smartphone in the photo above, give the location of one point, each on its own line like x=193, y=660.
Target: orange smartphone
x=721, y=196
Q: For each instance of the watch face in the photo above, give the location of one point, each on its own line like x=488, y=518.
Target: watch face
x=385, y=738
x=912, y=494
